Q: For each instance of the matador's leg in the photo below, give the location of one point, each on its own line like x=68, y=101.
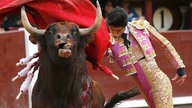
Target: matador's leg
x=154, y=84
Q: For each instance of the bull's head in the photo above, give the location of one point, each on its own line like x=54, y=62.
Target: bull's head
x=61, y=37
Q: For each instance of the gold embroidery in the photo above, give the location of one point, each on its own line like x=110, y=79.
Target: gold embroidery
x=141, y=38
x=146, y=47
x=151, y=55
x=143, y=47
x=130, y=71
x=132, y=56
x=159, y=82
x=121, y=43
x=123, y=52
x=126, y=62
x=134, y=60
x=140, y=24
x=145, y=32
x=136, y=50
x=168, y=45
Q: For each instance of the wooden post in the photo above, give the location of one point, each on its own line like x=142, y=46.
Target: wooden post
x=149, y=11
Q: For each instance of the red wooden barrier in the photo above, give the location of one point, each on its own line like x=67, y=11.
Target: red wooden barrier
x=12, y=48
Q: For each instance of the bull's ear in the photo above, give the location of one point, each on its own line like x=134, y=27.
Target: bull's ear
x=34, y=38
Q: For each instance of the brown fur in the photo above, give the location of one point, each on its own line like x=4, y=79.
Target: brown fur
x=98, y=96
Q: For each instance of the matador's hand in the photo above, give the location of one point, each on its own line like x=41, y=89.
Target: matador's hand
x=180, y=74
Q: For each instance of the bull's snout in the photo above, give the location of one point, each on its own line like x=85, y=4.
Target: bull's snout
x=64, y=44
x=64, y=53
x=63, y=37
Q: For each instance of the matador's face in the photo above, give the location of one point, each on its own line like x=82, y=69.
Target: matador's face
x=116, y=31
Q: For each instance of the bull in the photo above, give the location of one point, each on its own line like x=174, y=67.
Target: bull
x=63, y=81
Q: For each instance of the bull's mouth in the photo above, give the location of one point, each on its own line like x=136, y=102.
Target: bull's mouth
x=64, y=50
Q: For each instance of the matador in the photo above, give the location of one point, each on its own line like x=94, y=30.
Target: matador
x=132, y=50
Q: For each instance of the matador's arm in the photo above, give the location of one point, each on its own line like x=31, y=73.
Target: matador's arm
x=169, y=50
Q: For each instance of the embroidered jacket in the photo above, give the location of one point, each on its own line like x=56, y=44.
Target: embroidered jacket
x=141, y=47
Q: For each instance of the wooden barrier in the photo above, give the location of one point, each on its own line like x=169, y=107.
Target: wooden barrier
x=12, y=48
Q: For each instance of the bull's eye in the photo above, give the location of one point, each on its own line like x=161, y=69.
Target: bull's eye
x=58, y=37
x=67, y=36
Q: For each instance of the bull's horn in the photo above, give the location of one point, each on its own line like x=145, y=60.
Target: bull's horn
x=91, y=30
x=27, y=25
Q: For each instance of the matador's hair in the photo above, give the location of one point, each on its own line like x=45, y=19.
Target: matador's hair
x=117, y=17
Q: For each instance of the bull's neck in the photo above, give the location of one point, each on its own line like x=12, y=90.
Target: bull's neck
x=63, y=66
x=62, y=80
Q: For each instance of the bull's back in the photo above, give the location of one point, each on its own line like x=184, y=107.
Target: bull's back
x=98, y=96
